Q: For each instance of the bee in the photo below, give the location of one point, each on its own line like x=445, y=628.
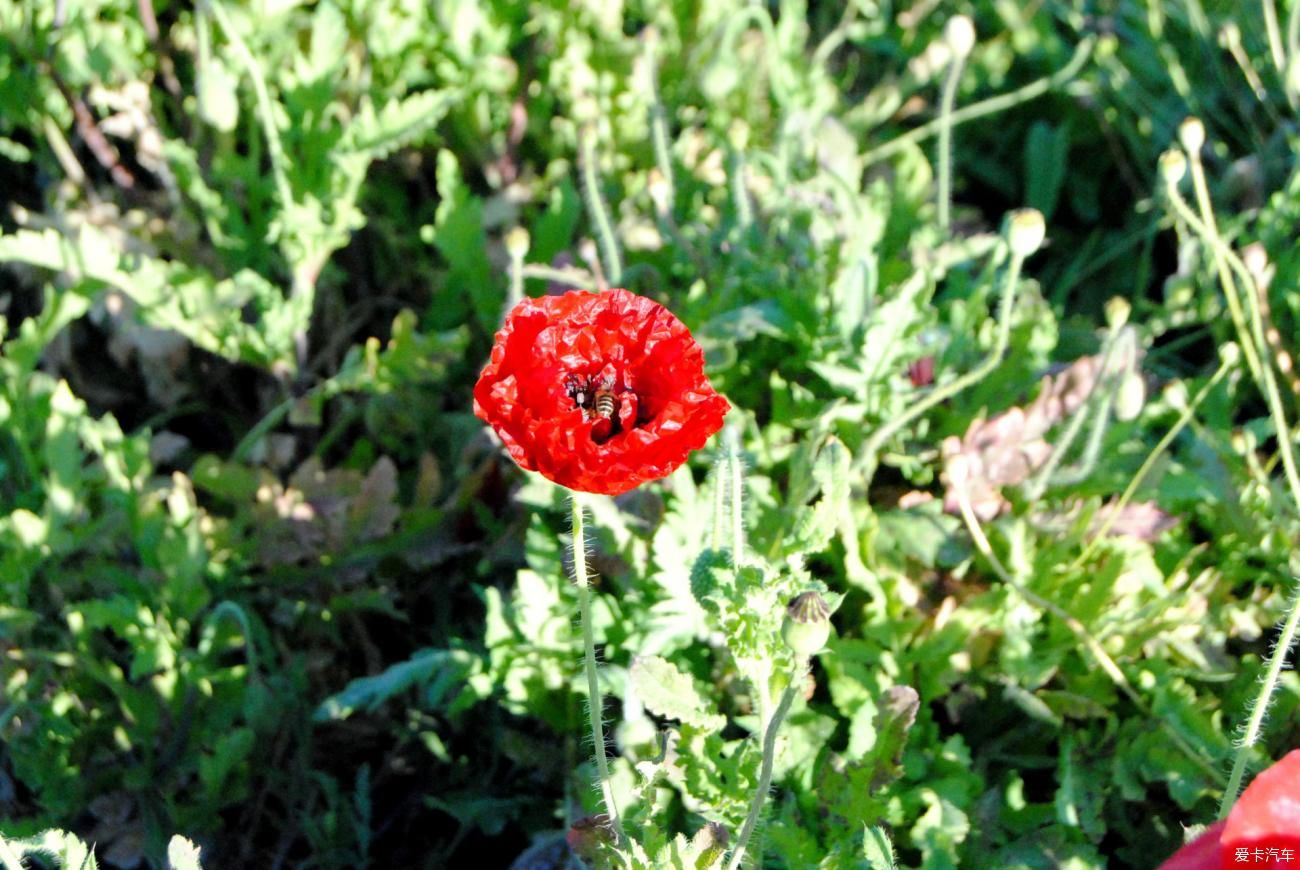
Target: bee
x=597, y=400
x=606, y=401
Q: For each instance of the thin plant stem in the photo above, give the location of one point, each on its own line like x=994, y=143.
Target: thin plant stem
x=737, y=498
x=1255, y=335
x=986, y=107
x=949, y=97
x=1161, y=446
x=1255, y=724
x=1289, y=77
x=878, y=438
x=1038, y=485
x=1208, y=229
x=1274, y=36
x=769, y=757
x=594, y=705
x=609, y=252
x=739, y=193
x=659, y=125
x=719, y=500
x=1078, y=629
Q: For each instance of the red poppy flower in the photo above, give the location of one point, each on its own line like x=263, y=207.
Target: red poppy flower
x=1263, y=829
x=600, y=392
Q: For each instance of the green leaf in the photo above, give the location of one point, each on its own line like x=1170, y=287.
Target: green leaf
x=439, y=669
x=400, y=122
x=668, y=692
x=877, y=848
x=1046, y=152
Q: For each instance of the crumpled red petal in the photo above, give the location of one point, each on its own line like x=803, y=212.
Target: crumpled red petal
x=556, y=354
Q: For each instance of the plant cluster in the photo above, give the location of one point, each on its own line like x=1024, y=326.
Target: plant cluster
x=990, y=562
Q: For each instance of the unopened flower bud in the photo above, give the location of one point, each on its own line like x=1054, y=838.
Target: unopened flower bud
x=1176, y=395
x=1230, y=353
x=807, y=624
x=738, y=135
x=1130, y=397
x=1117, y=312
x=1173, y=166
x=959, y=33
x=660, y=191
x=1192, y=134
x=1025, y=231
x=517, y=242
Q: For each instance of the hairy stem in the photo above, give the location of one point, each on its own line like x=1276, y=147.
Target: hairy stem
x=773, y=727
x=594, y=705
x=737, y=498
x=1255, y=724
x=597, y=211
x=949, y=97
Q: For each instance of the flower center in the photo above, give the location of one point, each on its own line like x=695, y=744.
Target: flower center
x=600, y=400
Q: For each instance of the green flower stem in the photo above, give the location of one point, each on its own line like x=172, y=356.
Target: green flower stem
x=986, y=107
x=599, y=214
x=659, y=124
x=871, y=448
x=719, y=501
x=1255, y=724
x=594, y=706
x=737, y=498
x=1183, y=419
x=771, y=730
x=955, y=67
x=1079, y=630
x=1255, y=336
x=1252, y=337
x=1274, y=36
x=1289, y=76
x=1222, y=261
x=1047, y=473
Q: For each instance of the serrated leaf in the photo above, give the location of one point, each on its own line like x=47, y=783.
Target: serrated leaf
x=438, y=668
x=877, y=848
x=397, y=124
x=667, y=692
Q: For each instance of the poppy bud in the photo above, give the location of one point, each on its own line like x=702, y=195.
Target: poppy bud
x=1173, y=166
x=1192, y=134
x=807, y=624
x=1025, y=231
x=1130, y=397
x=517, y=243
x=959, y=33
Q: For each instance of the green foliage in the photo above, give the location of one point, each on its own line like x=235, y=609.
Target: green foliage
x=265, y=581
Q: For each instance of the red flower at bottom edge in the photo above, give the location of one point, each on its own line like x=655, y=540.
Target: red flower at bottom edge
x=1262, y=831
x=599, y=392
